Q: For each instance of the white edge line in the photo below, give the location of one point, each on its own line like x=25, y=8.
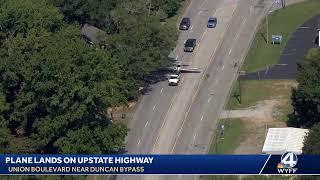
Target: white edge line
x=265, y=164
x=244, y=21
x=146, y=124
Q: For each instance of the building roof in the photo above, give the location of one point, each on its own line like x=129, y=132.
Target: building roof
x=281, y=140
x=91, y=33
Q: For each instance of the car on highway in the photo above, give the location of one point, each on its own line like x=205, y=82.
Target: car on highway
x=212, y=22
x=174, y=79
x=190, y=45
x=185, y=23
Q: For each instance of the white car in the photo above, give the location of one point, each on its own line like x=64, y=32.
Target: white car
x=174, y=80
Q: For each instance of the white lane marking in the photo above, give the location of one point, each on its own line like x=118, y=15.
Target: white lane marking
x=146, y=124
x=203, y=3
x=202, y=36
x=161, y=90
x=182, y=81
x=244, y=21
x=177, y=57
x=222, y=67
x=209, y=99
x=237, y=36
x=230, y=51
x=191, y=27
x=194, y=137
x=154, y=107
x=139, y=142
x=201, y=118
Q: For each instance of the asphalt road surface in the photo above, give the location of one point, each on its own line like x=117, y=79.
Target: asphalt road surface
x=182, y=119
x=296, y=49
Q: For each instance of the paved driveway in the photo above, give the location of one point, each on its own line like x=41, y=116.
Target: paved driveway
x=294, y=52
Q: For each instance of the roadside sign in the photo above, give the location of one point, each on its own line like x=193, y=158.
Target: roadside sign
x=242, y=73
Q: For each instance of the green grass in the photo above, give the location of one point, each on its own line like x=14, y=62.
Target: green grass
x=283, y=22
x=227, y=143
x=258, y=90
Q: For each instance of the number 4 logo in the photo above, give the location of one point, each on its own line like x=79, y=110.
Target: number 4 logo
x=289, y=159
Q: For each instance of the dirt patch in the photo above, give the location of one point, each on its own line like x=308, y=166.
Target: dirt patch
x=257, y=120
x=122, y=113
x=264, y=111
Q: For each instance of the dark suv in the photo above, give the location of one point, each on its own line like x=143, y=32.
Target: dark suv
x=190, y=45
x=185, y=24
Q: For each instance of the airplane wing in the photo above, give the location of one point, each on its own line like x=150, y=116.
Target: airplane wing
x=190, y=70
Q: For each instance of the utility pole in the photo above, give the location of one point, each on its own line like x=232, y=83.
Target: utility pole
x=267, y=27
x=149, y=7
x=240, y=73
x=239, y=89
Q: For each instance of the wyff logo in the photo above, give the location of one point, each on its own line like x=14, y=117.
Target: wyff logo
x=288, y=161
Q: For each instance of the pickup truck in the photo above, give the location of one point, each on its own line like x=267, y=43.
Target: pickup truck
x=174, y=80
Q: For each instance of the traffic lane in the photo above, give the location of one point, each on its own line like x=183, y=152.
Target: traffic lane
x=148, y=116
x=144, y=114
x=200, y=15
x=245, y=35
x=163, y=105
x=151, y=128
x=196, y=31
x=214, y=35
x=218, y=90
x=202, y=57
x=191, y=54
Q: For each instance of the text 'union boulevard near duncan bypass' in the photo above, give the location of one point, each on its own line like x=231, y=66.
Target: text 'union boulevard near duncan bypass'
x=57, y=170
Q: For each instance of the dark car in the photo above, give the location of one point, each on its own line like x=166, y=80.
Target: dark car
x=190, y=45
x=185, y=24
x=212, y=22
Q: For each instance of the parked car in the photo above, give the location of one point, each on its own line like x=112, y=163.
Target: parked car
x=212, y=22
x=185, y=23
x=190, y=45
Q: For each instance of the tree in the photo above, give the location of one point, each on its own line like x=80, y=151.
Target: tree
x=306, y=98
x=312, y=143
x=170, y=7
x=15, y=18
x=56, y=87
x=94, y=12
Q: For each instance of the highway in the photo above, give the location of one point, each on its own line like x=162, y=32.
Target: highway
x=182, y=119
x=153, y=107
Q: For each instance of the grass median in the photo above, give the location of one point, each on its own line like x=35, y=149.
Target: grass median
x=281, y=22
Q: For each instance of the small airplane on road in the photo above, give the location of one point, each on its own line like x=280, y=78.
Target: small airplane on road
x=179, y=68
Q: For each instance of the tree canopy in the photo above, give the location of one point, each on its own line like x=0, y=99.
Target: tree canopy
x=55, y=89
x=312, y=143
x=55, y=86
x=306, y=98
